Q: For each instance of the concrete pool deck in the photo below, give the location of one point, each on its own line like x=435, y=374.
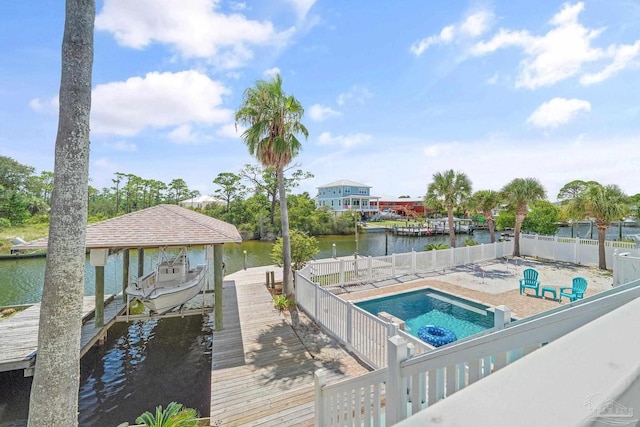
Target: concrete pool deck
x=494, y=283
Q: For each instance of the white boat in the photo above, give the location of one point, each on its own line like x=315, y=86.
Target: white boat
x=170, y=285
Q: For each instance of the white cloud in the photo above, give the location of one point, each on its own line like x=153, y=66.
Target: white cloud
x=45, y=106
x=358, y=94
x=237, y=5
x=473, y=26
x=346, y=141
x=438, y=150
x=183, y=134
x=157, y=100
x=125, y=146
x=318, y=112
x=302, y=7
x=104, y=163
x=622, y=57
x=194, y=28
x=271, y=72
x=561, y=53
x=229, y=131
x=557, y=112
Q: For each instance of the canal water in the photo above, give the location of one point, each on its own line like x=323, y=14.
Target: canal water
x=21, y=280
x=142, y=364
x=148, y=363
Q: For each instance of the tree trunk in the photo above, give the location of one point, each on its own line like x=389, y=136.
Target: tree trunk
x=516, y=234
x=452, y=233
x=272, y=212
x=54, y=392
x=492, y=227
x=602, y=258
x=287, y=284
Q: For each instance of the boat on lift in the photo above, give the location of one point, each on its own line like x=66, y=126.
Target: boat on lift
x=171, y=284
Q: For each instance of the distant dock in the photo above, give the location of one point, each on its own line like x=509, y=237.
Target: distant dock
x=19, y=333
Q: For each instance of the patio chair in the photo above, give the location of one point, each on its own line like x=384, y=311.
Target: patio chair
x=576, y=291
x=530, y=280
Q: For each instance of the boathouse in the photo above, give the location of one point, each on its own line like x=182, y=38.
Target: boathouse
x=158, y=226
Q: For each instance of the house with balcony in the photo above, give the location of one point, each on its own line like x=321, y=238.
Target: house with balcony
x=344, y=195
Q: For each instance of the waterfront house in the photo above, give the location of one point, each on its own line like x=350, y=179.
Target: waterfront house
x=344, y=195
x=201, y=202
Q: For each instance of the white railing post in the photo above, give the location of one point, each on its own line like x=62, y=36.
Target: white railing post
x=316, y=304
x=434, y=260
x=370, y=268
x=576, y=251
x=349, y=325
x=393, y=265
x=341, y=274
x=413, y=262
x=452, y=257
x=396, y=409
x=320, y=380
x=467, y=254
x=501, y=316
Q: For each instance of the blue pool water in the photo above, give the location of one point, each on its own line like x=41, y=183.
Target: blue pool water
x=432, y=307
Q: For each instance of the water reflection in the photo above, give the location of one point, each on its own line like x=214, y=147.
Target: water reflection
x=21, y=280
x=146, y=364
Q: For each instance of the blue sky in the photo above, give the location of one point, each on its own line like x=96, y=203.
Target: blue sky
x=393, y=91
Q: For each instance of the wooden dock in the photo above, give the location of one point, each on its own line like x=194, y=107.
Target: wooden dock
x=263, y=361
x=19, y=334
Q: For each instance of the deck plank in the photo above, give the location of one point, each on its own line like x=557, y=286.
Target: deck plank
x=19, y=333
x=262, y=370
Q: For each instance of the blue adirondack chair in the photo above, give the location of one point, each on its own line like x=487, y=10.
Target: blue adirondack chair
x=576, y=291
x=530, y=280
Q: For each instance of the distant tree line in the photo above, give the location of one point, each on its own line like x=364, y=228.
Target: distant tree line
x=249, y=199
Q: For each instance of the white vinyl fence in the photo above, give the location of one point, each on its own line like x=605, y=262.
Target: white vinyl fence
x=343, y=271
x=573, y=250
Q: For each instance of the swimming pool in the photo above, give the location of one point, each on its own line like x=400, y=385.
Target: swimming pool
x=433, y=307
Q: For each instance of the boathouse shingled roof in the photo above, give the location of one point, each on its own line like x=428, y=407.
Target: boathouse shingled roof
x=161, y=225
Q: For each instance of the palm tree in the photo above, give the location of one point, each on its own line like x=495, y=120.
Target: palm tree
x=54, y=391
x=519, y=193
x=449, y=189
x=273, y=120
x=604, y=204
x=486, y=201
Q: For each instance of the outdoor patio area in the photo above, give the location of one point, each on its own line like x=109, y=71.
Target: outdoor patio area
x=494, y=282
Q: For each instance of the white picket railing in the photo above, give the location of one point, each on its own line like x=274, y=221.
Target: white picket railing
x=361, y=332
x=345, y=271
x=573, y=250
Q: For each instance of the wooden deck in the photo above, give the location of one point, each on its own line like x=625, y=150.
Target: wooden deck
x=19, y=334
x=263, y=361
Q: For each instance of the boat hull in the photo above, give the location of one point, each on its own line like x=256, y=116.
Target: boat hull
x=162, y=299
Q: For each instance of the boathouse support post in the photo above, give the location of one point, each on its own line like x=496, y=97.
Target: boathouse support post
x=99, y=314
x=217, y=285
x=125, y=274
x=98, y=259
x=140, y=262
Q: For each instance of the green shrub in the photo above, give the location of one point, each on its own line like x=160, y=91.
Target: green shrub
x=436, y=246
x=4, y=223
x=174, y=416
x=281, y=302
x=470, y=242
